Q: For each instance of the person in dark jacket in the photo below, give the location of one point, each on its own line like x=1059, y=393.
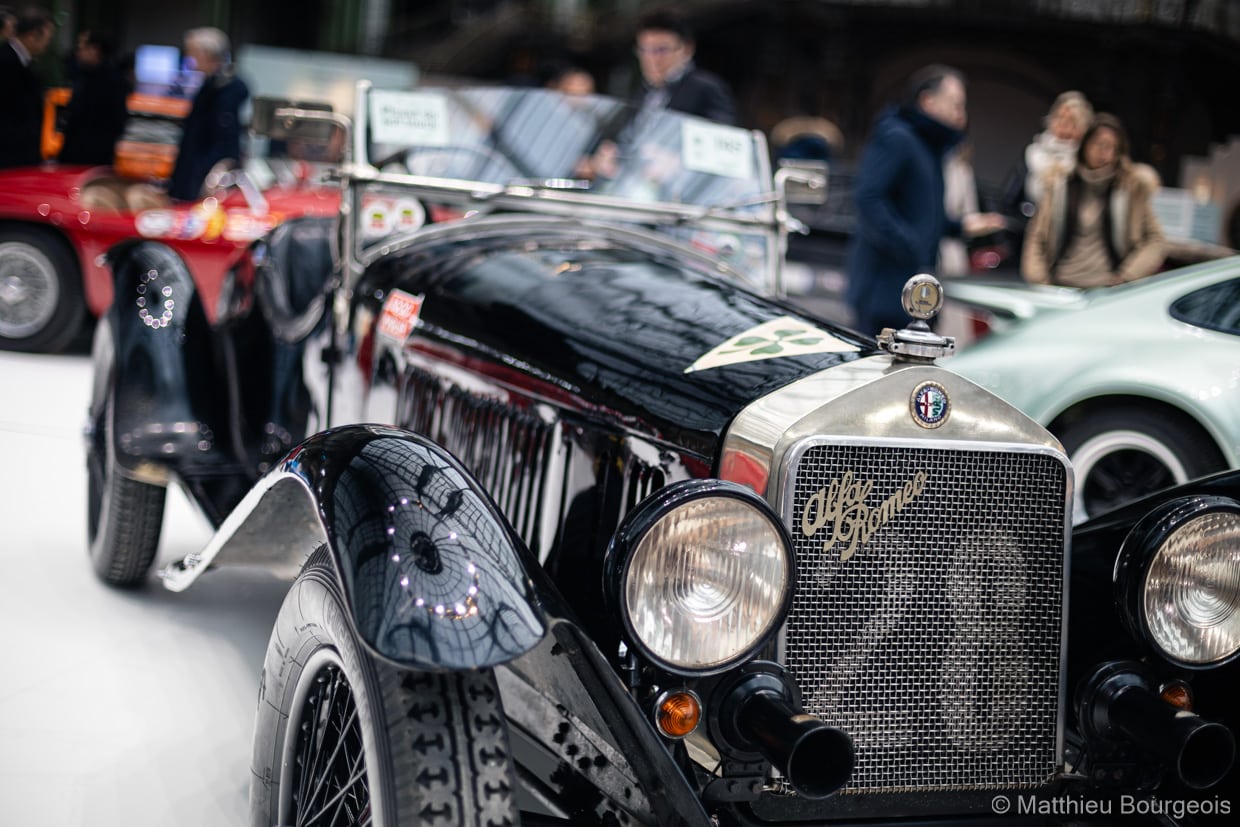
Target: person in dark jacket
x=212, y=130
x=21, y=89
x=97, y=111
x=899, y=194
x=8, y=24
x=670, y=80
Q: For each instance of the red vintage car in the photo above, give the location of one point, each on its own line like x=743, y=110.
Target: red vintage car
x=56, y=222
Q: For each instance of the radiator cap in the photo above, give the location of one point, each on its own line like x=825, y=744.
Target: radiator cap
x=922, y=299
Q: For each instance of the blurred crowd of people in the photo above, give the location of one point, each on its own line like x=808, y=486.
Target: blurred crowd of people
x=95, y=117
x=902, y=213
x=916, y=198
x=1093, y=221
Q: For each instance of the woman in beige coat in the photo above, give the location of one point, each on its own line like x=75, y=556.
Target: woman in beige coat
x=1095, y=225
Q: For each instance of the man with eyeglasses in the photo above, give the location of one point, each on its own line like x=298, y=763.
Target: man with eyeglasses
x=669, y=81
x=670, y=78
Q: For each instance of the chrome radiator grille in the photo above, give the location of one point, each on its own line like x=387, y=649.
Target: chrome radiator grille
x=936, y=641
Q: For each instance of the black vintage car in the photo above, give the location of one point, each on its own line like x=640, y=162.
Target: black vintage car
x=594, y=528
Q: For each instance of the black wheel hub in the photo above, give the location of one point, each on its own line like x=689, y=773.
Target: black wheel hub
x=1124, y=476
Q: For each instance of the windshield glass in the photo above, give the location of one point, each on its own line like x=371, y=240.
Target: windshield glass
x=600, y=158
x=544, y=138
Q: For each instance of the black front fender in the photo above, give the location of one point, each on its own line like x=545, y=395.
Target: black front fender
x=167, y=406
x=433, y=575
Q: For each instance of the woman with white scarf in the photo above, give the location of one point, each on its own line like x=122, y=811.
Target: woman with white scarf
x=1053, y=150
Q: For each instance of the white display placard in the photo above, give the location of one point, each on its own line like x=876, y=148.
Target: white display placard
x=717, y=149
x=408, y=118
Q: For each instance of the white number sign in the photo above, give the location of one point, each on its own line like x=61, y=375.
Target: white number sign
x=408, y=118
x=717, y=149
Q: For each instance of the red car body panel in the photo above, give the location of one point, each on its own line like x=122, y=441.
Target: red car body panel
x=210, y=235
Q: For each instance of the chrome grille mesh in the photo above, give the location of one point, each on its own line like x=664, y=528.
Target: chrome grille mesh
x=936, y=643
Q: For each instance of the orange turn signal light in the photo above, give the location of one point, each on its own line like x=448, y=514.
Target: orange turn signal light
x=1178, y=695
x=678, y=713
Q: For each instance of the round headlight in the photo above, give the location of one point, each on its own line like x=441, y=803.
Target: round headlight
x=1184, y=585
x=707, y=576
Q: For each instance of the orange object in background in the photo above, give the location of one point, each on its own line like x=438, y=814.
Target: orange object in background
x=52, y=139
x=139, y=159
x=134, y=158
x=172, y=108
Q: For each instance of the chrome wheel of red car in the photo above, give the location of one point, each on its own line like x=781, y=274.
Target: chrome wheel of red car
x=41, y=304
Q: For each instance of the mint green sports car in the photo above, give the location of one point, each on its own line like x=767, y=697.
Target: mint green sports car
x=1140, y=382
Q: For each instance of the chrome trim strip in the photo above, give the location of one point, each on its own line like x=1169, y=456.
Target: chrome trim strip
x=470, y=229
x=561, y=202
x=880, y=388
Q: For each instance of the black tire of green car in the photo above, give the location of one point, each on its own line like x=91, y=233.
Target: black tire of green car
x=343, y=738
x=41, y=302
x=1121, y=455
x=123, y=516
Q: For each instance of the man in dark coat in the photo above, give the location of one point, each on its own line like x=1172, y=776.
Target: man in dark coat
x=8, y=24
x=670, y=78
x=899, y=195
x=97, y=111
x=212, y=130
x=21, y=89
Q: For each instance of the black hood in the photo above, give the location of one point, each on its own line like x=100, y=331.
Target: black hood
x=614, y=325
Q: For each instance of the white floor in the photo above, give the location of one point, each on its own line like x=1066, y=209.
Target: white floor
x=116, y=708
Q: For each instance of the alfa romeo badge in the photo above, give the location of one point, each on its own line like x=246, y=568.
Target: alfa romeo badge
x=930, y=405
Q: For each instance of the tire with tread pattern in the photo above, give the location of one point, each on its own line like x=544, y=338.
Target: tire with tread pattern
x=124, y=516
x=427, y=748
x=42, y=305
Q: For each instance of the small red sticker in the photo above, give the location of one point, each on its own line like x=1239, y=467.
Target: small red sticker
x=400, y=314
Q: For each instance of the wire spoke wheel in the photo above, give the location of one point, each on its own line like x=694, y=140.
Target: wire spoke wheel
x=329, y=784
x=345, y=738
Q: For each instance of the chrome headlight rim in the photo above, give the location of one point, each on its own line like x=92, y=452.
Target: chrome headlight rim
x=639, y=522
x=1137, y=555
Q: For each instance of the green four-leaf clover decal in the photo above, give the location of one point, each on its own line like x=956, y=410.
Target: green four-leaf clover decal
x=764, y=346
